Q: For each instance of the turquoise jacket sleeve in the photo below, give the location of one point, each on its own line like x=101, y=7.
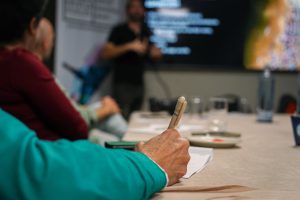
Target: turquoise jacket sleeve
x=40, y=170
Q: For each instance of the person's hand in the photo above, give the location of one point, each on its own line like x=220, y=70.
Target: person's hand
x=109, y=107
x=138, y=46
x=170, y=151
x=155, y=53
x=110, y=104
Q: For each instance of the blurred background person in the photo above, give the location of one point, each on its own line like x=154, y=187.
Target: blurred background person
x=103, y=118
x=33, y=96
x=129, y=47
x=27, y=88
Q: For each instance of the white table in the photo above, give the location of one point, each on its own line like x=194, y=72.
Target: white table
x=266, y=160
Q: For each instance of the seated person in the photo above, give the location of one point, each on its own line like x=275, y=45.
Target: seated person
x=104, y=115
x=27, y=89
x=39, y=170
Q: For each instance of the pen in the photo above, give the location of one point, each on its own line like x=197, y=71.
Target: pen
x=178, y=112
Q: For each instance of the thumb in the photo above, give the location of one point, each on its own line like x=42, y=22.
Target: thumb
x=139, y=146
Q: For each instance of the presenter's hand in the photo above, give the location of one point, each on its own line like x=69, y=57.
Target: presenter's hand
x=155, y=53
x=170, y=151
x=138, y=47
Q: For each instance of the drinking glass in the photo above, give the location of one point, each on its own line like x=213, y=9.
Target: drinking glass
x=195, y=106
x=217, y=114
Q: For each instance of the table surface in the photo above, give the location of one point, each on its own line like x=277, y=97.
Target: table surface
x=266, y=160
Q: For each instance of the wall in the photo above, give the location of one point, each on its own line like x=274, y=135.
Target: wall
x=81, y=30
x=207, y=84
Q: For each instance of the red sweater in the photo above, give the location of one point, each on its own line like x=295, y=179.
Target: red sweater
x=28, y=91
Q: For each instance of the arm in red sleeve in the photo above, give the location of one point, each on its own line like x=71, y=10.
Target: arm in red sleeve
x=37, y=85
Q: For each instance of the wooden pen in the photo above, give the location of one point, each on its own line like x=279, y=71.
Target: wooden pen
x=178, y=112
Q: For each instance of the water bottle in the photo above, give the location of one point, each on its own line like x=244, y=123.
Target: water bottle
x=298, y=94
x=265, y=96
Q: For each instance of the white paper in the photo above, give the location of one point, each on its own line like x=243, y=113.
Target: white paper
x=156, y=129
x=200, y=157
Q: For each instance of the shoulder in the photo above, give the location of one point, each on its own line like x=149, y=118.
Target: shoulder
x=120, y=27
x=24, y=55
x=117, y=33
x=145, y=27
x=146, y=30
x=26, y=62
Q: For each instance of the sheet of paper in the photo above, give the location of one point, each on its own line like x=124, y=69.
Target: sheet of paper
x=200, y=157
x=159, y=128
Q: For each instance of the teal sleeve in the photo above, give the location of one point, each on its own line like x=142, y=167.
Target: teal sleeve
x=40, y=170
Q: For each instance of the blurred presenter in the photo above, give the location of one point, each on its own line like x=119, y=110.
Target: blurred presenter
x=129, y=47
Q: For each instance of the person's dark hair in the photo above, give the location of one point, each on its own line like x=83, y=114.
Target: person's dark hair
x=129, y=2
x=15, y=18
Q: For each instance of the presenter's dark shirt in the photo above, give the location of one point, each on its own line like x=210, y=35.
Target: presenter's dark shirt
x=29, y=92
x=129, y=67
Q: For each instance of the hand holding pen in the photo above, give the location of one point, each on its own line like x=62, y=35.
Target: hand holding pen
x=169, y=150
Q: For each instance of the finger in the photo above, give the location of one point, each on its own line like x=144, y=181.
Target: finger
x=183, y=147
x=173, y=180
x=139, y=146
x=184, y=142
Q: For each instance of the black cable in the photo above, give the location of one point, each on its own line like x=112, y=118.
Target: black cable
x=160, y=80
